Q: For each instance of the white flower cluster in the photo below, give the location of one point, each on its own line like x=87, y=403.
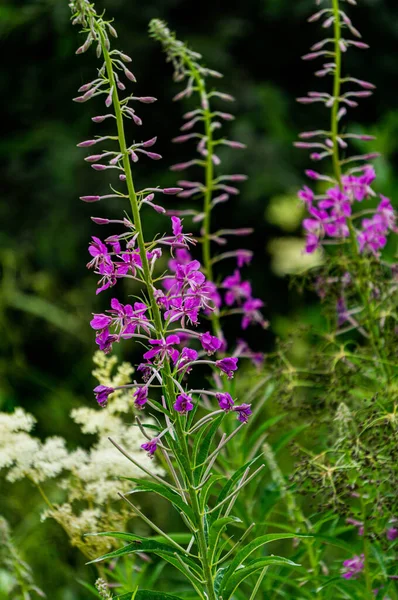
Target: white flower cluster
x=26, y=456
x=90, y=477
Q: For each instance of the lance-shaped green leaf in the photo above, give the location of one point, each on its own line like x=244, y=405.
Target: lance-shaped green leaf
x=247, y=550
x=181, y=538
x=165, y=492
x=216, y=530
x=231, y=482
x=228, y=587
x=140, y=545
x=206, y=489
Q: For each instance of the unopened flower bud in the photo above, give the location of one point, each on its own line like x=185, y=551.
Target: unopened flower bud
x=147, y=99
x=129, y=75
x=171, y=191
x=90, y=198
x=149, y=143
x=100, y=221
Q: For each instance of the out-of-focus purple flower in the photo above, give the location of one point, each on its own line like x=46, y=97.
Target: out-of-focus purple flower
x=359, y=188
x=163, y=348
x=228, y=365
x=225, y=401
x=151, y=446
x=357, y=523
x=251, y=313
x=306, y=195
x=337, y=201
x=392, y=533
x=243, y=257
x=244, y=411
x=140, y=396
x=237, y=289
x=353, y=567
x=183, y=404
x=373, y=236
x=102, y=392
x=210, y=343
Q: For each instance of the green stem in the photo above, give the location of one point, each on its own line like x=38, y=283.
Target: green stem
x=209, y=176
x=362, y=287
x=201, y=539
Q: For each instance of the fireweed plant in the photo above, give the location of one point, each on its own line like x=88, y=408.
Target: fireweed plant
x=232, y=295
x=348, y=386
x=187, y=436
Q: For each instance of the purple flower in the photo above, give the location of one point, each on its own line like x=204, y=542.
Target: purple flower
x=101, y=393
x=353, y=567
x=306, y=195
x=210, y=343
x=100, y=254
x=180, y=238
x=373, y=237
x=386, y=213
x=140, y=396
x=183, y=404
x=100, y=321
x=392, y=534
x=183, y=308
x=131, y=260
x=243, y=257
x=104, y=339
x=244, y=411
x=251, y=314
x=189, y=275
x=187, y=356
x=164, y=348
x=228, y=365
x=225, y=401
x=181, y=257
x=338, y=201
x=359, y=187
x=151, y=446
x=237, y=289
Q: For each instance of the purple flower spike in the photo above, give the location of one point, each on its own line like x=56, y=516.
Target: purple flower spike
x=244, y=411
x=225, y=401
x=210, y=343
x=353, y=567
x=228, y=366
x=101, y=393
x=392, y=534
x=140, y=397
x=151, y=446
x=183, y=404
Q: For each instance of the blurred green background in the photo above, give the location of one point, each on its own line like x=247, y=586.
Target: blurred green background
x=46, y=293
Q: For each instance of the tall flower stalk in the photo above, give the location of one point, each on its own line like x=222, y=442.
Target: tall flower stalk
x=333, y=216
x=187, y=434
x=202, y=125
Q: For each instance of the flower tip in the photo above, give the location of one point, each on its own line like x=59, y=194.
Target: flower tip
x=90, y=198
